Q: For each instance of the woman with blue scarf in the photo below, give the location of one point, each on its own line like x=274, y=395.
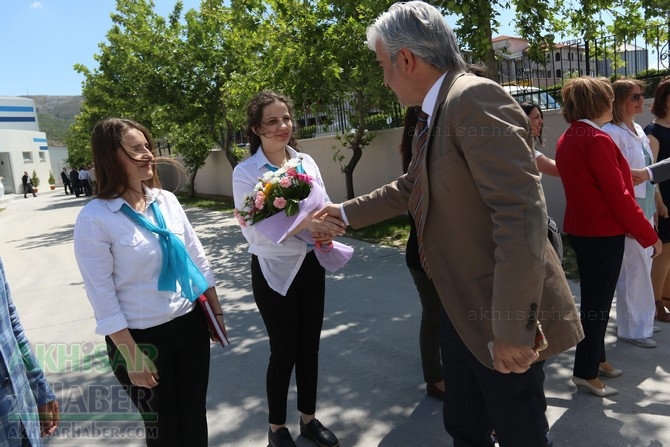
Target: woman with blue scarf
x=144, y=267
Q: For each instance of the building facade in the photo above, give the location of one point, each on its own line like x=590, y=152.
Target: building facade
x=23, y=148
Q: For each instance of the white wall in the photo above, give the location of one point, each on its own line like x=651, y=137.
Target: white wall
x=57, y=156
x=379, y=165
x=14, y=143
x=18, y=113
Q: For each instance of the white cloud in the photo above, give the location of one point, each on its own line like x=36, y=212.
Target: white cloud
x=36, y=5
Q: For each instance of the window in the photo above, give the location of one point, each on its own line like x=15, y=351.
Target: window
x=548, y=73
x=557, y=57
x=570, y=56
x=43, y=157
x=558, y=73
x=27, y=157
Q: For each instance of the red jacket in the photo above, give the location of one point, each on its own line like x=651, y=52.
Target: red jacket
x=600, y=200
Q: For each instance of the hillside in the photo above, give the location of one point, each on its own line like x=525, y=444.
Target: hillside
x=55, y=115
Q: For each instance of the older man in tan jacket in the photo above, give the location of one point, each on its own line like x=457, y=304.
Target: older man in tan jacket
x=475, y=195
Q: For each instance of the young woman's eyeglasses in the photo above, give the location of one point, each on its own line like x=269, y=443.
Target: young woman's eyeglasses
x=276, y=122
x=637, y=97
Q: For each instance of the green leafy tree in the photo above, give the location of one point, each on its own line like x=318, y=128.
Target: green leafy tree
x=315, y=52
x=208, y=87
x=129, y=78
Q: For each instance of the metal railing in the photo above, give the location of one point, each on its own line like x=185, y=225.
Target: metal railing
x=643, y=56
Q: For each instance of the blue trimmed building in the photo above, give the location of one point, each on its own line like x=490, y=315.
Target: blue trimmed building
x=22, y=146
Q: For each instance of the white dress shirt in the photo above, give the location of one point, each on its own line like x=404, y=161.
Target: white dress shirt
x=121, y=262
x=279, y=262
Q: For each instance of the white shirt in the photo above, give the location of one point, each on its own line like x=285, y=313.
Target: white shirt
x=121, y=262
x=632, y=147
x=83, y=174
x=279, y=262
x=430, y=100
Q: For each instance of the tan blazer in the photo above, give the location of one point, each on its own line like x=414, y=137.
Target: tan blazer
x=485, y=228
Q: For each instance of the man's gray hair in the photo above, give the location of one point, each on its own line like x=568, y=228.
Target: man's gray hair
x=419, y=27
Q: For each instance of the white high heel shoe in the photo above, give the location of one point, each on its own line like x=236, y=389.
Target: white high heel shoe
x=601, y=392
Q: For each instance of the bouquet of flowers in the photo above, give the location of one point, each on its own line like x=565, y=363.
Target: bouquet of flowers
x=281, y=190
x=291, y=190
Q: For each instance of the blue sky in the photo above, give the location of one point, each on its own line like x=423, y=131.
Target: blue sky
x=42, y=40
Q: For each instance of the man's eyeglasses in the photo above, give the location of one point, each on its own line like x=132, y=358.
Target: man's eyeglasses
x=637, y=97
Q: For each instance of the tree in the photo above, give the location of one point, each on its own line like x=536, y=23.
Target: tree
x=359, y=75
x=130, y=74
x=478, y=20
x=208, y=87
x=314, y=51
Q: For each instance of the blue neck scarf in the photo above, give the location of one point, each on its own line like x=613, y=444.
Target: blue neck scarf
x=177, y=264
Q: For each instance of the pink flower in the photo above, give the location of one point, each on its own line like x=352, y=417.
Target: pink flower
x=304, y=178
x=279, y=203
x=258, y=201
x=285, y=182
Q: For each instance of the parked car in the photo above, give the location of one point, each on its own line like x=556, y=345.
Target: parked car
x=532, y=94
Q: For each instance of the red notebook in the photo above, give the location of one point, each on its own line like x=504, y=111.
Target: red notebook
x=212, y=321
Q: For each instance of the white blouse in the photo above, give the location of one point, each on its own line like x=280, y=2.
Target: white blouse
x=279, y=262
x=121, y=262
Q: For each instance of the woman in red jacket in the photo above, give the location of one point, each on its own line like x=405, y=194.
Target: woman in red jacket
x=600, y=211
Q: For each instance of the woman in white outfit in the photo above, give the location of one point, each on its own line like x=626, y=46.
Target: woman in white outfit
x=635, y=295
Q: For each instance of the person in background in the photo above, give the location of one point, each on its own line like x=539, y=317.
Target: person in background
x=142, y=286
x=27, y=183
x=635, y=294
x=600, y=210
x=287, y=280
x=544, y=164
x=75, y=183
x=28, y=406
x=658, y=132
x=475, y=196
x=65, y=178
x=93, y=179
x=429, y=331
x=84, y=181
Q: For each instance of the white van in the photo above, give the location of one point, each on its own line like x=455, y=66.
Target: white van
x=532, y=94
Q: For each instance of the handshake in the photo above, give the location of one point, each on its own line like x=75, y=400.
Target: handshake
x=326, y=223
x=639, y=175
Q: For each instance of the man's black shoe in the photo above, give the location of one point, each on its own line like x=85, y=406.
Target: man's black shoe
x=320, y=435
x=280, y=438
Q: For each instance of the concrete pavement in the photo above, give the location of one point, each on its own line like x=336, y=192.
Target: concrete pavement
x=370, y=385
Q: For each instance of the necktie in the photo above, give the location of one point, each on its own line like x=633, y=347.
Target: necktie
x=416, y=198
x=177, y=264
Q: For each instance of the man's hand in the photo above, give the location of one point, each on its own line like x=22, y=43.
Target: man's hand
x=639, y=175
x=49, y=418
x=509, y=358
x=332, y=209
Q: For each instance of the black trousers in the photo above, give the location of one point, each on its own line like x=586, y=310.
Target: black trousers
x=174, y=412
x=479, y=400
x=429, y=331
x=599, y=262
x=293, y=323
